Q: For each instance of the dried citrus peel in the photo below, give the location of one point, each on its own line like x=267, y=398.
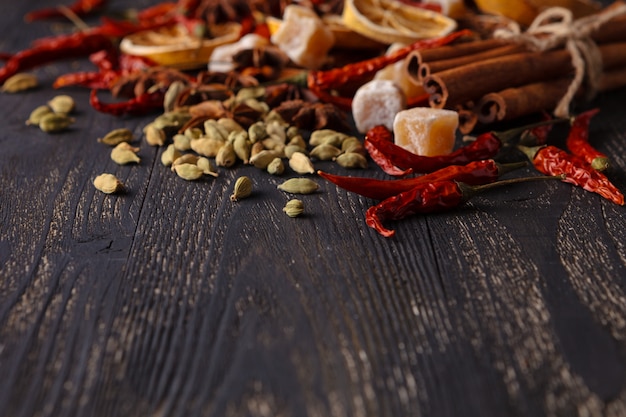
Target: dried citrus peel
x=389, y=21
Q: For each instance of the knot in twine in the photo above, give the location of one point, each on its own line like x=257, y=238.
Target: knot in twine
x=556, y=27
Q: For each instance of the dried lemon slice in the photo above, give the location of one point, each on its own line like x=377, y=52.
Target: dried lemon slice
x=175, y=47
x=390, y=21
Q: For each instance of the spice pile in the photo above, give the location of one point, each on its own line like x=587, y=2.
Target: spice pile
x=282, y=96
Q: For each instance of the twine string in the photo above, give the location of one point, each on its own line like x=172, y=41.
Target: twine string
x=555, y=27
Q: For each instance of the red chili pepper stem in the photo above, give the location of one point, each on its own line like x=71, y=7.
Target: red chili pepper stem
x=469, y=191
x=507, y=136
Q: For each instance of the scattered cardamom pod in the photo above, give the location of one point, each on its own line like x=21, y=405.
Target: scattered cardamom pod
x=171, y=95
x=256, y=148
x=124, y=154
x=325, y=152
x=294, y=208
x=189, y=172
x=108, y=183
x=257, y=132
x=20, y=82
x=292, y=132
x=263, y=158
x=298, y=140
x=208, y=147
x=187, y=158
x=329, y=136
x=36, y=115
x=242, y=145
x=352, y=160
x=182, y=142
x=206, y=166
x=193, y=133
x=55, y=122
x=277, y=131
x=299, y=186
x=230, y=124
x=276, y=167
x=226, y=156
x=62, y=104
x=170, y=155
x=353, y=144
x=213, y=130
x=291, y=149
x=301, y=163
x=117, y=136
x=155, y=136
x=242, y=188
x=171, y=121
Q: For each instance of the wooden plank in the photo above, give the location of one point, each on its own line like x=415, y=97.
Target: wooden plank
x=171, y=300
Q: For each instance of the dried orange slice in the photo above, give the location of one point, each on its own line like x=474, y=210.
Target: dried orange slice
x=390, y=21
x=175, y=47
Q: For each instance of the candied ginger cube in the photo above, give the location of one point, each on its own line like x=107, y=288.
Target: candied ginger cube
x=303, y=36
x=376, y=103
x=426, y=131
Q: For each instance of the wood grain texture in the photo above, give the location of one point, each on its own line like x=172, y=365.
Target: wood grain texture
x=171, y=300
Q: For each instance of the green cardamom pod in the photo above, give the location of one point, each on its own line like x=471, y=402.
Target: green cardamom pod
x=155, y=136
x=117, y=136
x=242, y=188
x=189, y=172
x=257, y=132
x=36, y=115
x=208, y=147
x=54, y=122
x=108, y=183
x=276, y=167
x=301, y=163
x=294, y=208
x=325, y=152
x=206, y=166
x=241, y=145
x=124, y=154
x=226, y=156
x=169, y=155
x=352, y=160
x=62, y=104
x=20, y=82
x=299, y=186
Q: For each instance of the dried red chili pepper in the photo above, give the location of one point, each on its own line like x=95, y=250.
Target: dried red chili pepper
x=80, y=8
x=319, y=82
x=537, y=135
x=554, y=161
x=578, y=141
x=474, y=173
x=52, y=49
x=381, y=133
x=486, y=146
x=428, y=198
x=140, y=105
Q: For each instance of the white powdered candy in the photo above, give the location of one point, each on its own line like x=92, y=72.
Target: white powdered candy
x=377, y=103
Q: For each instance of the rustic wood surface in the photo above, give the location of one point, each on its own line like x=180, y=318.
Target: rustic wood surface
x=170, y=300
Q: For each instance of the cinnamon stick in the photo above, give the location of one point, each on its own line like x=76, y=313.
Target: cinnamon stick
x=512, y=103
x=472, y=81
x=427, y=68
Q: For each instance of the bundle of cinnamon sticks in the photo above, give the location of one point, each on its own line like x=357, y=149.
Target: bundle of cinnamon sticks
x=495, y=80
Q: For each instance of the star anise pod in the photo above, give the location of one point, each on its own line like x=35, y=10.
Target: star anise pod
x=313, y=116
x=265, y=63
x=277, y=94
x=137, y=83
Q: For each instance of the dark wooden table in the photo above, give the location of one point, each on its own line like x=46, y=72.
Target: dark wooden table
x=170, y=300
